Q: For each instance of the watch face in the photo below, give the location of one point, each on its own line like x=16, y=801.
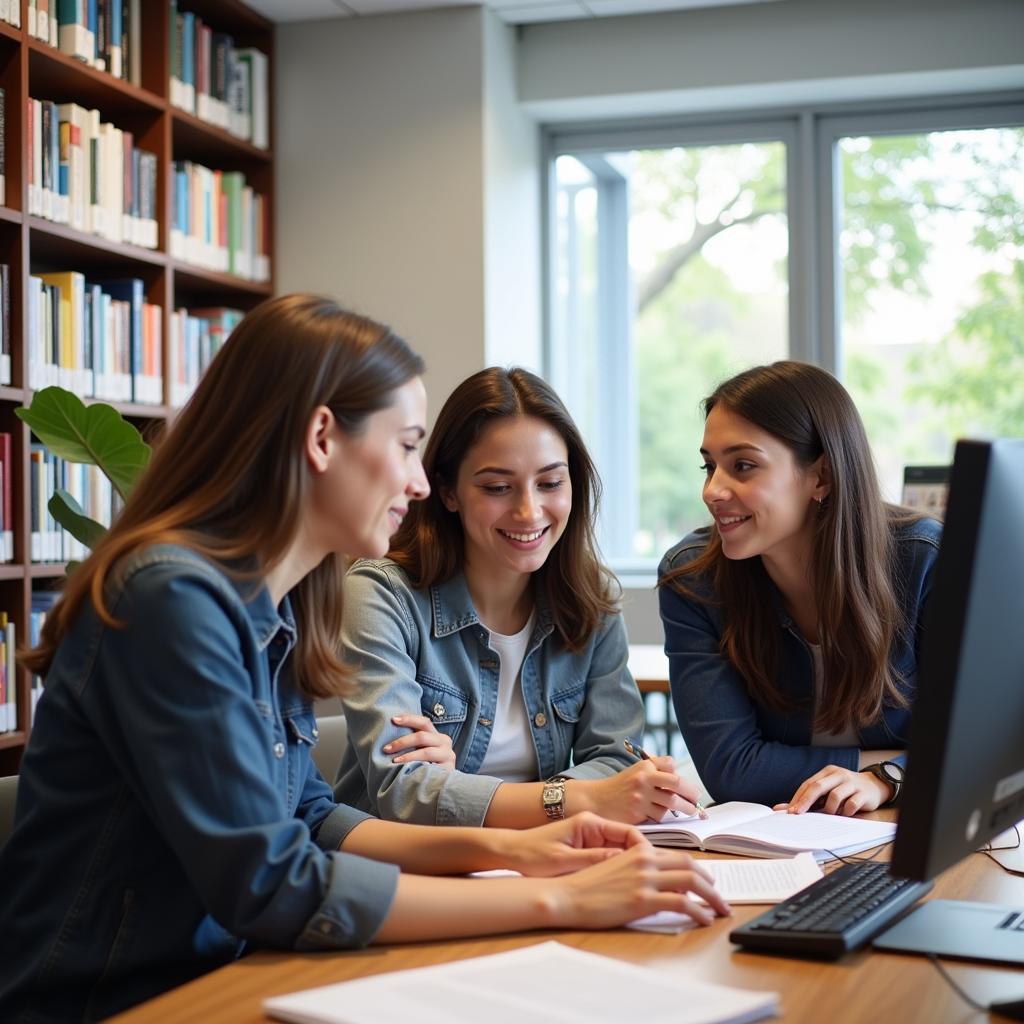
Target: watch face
x=892, y=772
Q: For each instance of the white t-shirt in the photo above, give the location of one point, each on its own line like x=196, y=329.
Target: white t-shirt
x=510, y=754
x=846, y=738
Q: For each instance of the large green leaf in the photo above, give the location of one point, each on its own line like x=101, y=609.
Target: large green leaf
x=72, y=517
x=94, y=434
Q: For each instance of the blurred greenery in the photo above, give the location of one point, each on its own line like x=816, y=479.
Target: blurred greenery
x=900, y=194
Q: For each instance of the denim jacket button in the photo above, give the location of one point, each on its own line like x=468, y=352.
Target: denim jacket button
x=438, y=710
x=540, y=719
x=278, y=750
x=316, y=734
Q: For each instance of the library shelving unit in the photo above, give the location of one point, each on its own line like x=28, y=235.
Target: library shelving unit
x=31, y=68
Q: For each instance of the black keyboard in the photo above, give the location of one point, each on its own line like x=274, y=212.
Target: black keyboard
x=834, y=915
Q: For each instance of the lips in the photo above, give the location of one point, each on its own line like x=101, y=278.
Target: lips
x=526, y=536
x=728, y=523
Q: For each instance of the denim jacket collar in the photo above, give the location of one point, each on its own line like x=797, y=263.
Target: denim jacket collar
x=453, y=609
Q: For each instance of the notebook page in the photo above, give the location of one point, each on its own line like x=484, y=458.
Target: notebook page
x=813, y=831
x=721, y=817
x=526, y=984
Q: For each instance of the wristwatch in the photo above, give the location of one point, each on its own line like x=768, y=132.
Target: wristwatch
x=890, y=772
x=552, y=797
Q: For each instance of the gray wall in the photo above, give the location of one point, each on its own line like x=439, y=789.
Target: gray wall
x=408, y=153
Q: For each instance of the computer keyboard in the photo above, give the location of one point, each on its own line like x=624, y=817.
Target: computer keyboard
x=834, y=915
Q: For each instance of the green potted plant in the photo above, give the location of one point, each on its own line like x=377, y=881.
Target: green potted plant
x=95, y=434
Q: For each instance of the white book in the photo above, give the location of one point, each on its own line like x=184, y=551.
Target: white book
x=755, y=830
x=547, y=983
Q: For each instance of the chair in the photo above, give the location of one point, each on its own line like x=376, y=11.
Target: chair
x=8, y=796
x=925, y=488
x=330, y=745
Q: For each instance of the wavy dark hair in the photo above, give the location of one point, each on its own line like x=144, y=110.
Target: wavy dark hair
x=855, y=580
x=229, y=480
x=430, y=545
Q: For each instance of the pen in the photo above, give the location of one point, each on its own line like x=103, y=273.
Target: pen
x=637, y=751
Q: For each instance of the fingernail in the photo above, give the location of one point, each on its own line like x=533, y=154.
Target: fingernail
x=398, y=719
x=386, y=748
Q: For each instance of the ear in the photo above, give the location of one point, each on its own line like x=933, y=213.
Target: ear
x=320, y=442
x=448, y=499
x=820, y=474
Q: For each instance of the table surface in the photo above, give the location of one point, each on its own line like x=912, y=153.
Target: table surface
x=866, y=986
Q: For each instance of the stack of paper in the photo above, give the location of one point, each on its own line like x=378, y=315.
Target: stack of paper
x=545, y=984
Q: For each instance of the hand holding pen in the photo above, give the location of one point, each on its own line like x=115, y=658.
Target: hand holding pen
x=637, y=751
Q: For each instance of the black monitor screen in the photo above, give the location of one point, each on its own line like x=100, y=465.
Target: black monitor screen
x=965, y=762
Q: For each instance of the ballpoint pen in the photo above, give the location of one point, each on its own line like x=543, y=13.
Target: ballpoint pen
x=637, y=751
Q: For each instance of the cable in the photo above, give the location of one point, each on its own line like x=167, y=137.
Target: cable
x=989, y=850
x=954, y=986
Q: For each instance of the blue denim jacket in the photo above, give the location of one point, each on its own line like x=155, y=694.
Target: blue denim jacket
x=425, y=652
x=744, y=750
x=169, y=813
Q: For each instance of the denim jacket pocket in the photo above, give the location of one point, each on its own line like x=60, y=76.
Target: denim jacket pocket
x=444, y=705
x=569, y=703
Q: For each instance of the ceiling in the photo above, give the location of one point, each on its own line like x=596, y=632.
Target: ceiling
x=515, y=12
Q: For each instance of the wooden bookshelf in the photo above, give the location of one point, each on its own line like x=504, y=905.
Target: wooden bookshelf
x=30, y=68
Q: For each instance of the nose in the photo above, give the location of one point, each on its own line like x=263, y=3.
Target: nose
x=716, y=487
x=527, y=507
x=419, y=486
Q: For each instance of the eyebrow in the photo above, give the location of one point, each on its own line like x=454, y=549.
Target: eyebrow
x=420, y=432
x=508, y=472
x=742, y=447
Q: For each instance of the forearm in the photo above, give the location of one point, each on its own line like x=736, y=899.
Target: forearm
x=874, y=756
x=428, y=849
x=445, y=908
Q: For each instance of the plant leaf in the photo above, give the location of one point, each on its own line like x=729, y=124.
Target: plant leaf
x=96, y=435
x=72, y=517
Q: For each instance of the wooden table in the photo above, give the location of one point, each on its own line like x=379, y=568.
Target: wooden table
x=871, y=987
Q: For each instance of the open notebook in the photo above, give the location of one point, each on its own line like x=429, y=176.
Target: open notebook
x=548, y=983
x=755, y=830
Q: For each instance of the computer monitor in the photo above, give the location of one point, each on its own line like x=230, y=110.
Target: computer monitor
x=965, y=758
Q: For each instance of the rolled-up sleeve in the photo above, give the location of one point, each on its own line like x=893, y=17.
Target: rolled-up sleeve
x=718, y=719
x=612, y=711
x=380, y=640
x=177, y=708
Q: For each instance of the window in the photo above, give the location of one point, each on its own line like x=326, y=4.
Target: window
x=886, y=246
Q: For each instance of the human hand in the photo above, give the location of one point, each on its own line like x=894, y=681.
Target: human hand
x=647, y=790
x=567, y=845
x=844, y=792
x=423, y=743
x=641, y=880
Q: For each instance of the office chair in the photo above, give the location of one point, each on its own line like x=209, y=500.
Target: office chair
x=8, y=796
x=330, y=745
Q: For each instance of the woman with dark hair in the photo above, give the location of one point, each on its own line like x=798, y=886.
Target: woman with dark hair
x=491, y=654
x=169, y=812
x=792, y=624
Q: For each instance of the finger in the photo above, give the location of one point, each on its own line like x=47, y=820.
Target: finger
x=681, y=904
x=417, y=739
x=430, y=755
x=664, y=763
x=838, y=796
x=595, y=831
x=814, y=791
x=705, y=889
x=420, y=722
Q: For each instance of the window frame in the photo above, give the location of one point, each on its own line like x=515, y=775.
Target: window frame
x=811, y=134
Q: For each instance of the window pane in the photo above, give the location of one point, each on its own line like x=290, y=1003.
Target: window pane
x=702, y=282
x=932, y=259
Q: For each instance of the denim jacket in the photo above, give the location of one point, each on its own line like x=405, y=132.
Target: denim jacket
x=744, y=750
x=169, y=813
x=426, y=652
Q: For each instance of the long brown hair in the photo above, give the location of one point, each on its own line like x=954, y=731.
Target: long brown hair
x=853, y=551
x=430, y=545
x=229, y=479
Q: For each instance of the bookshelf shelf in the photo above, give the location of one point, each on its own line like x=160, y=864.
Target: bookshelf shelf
x=31, y=245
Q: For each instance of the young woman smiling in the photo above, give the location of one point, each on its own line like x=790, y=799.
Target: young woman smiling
x=491, y=655
x=170, y=816
x=792, y=624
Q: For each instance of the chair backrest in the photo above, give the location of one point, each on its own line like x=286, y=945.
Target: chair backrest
x=8, y=796
x=330, y=745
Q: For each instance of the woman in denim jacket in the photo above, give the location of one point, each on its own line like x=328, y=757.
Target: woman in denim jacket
x=489, y=646
x=169, y=813
x=792, y=624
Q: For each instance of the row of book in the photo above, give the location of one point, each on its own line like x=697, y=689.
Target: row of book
x=195, y=337
x=8, y=675
x=90, y=174
x=104, y=34
x=42, y=602
x=6, y=499
x=217, y=81
x=88, y=485
x=3, y=147
x=219, y=222
x=99, y=339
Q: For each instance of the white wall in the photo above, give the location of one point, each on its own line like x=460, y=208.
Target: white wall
x=769, y=55
x=380, y=176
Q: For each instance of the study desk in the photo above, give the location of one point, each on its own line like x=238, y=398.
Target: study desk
x=865, y=987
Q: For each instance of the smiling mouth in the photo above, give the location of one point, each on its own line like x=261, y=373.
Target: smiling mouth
x=527, y=537
x=731, y=520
